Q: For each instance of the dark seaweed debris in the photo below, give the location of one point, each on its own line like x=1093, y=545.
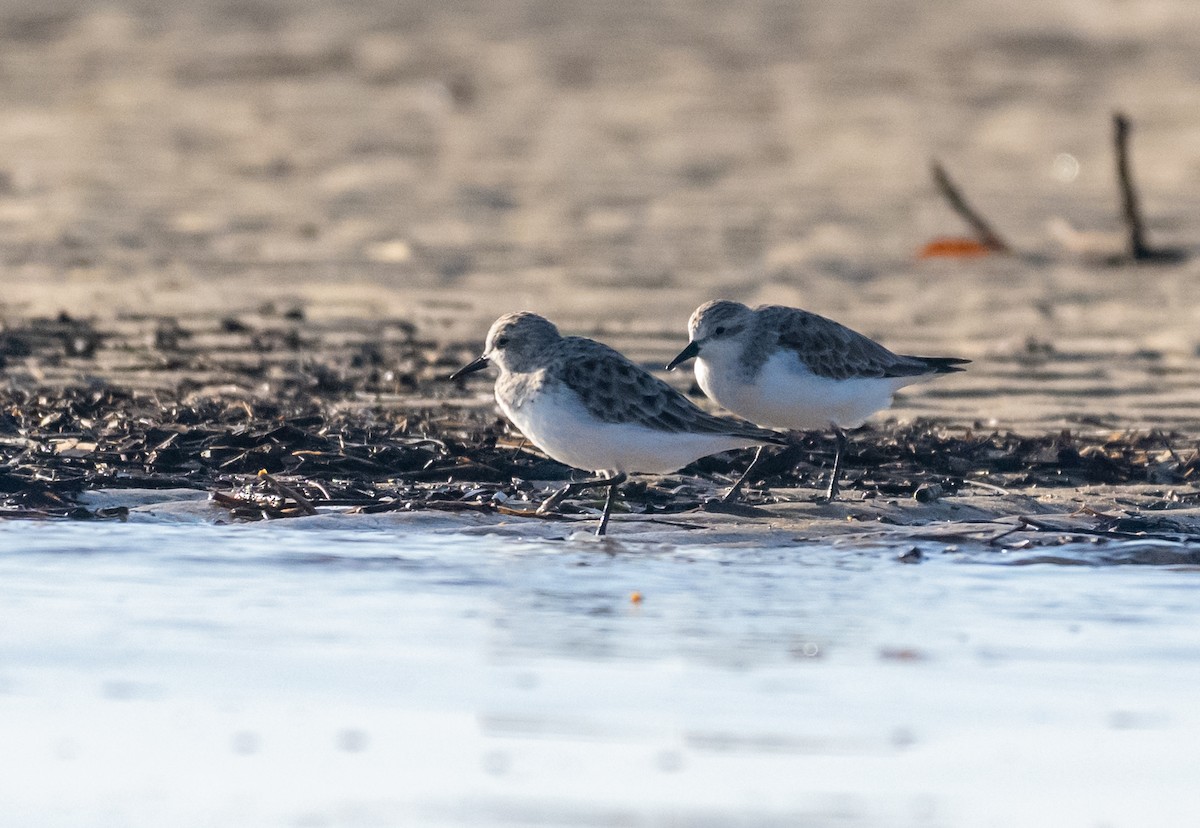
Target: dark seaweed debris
x=358, y=414
x=54, y=445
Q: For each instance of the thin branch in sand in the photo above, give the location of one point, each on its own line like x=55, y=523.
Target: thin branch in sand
x=995, y=539
x=979, y=226
x=1138, y=248
x=1158, y=433
x=1130, y=209
x=979, y=484
x=287, y=491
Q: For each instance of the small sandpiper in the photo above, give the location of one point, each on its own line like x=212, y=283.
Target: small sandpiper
x=587, y=406
x=785, y=368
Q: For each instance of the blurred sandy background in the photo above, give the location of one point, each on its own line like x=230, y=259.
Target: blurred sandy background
x=614, y=164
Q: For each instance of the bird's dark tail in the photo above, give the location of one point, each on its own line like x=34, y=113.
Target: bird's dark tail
x=944, y=365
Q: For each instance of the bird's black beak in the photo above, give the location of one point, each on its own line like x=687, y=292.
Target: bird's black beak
x=470, y=368
x=687, y=353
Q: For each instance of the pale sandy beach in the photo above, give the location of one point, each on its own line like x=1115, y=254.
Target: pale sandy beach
x=612, y=169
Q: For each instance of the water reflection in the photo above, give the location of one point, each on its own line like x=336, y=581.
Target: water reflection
x=474, y=680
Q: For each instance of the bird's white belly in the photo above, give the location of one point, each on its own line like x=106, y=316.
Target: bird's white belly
x=786, y=394
x=558, y=424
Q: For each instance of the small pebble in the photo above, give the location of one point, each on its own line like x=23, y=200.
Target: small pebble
x=928, y=492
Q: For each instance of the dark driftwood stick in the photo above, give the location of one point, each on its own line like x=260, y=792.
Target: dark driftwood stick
x=983, y=231
x=1139, y=249
x=1130, y=210
x=287, y=491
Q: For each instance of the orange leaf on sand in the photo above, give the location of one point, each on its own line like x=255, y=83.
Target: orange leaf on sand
x=953, y=248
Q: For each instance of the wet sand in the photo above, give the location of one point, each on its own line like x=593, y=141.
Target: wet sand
x=271, y=414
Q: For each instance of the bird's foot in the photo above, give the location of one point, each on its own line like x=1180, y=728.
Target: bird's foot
x=733, y=495
x=831, y=494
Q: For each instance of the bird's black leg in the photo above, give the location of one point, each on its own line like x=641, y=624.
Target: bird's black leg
x=732, y=494
x=549, y=504
x=613, y=483
x=832, y=492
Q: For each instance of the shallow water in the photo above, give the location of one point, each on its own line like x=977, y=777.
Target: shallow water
x=268, y=675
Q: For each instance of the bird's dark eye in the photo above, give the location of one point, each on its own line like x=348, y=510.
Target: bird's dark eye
x=501, y=341
x=719, y=330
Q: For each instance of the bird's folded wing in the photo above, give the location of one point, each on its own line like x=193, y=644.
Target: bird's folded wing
x=614, y=390
x=832, y=350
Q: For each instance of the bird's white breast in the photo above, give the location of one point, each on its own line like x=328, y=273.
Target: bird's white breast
x=556, y=421
x=784, y=393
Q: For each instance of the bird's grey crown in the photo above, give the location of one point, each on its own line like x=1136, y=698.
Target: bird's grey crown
x=717, y=313
x=525, y=336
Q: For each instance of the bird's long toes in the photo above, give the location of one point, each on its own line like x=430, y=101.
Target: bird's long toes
x=732, y=496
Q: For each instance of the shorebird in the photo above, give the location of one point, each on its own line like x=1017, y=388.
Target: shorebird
x=785, y=368
x=587, y=406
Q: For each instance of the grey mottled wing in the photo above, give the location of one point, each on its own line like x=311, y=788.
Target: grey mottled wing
x=615, y=390
x=832, y=350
